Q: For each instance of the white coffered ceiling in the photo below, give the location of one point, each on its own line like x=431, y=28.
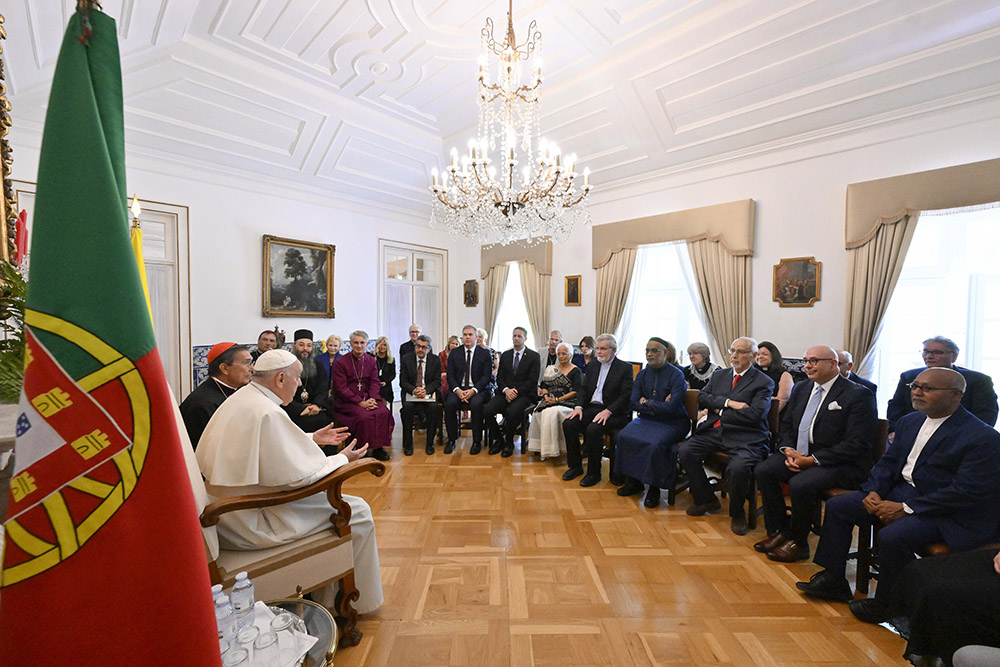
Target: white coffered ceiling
x=358, y=99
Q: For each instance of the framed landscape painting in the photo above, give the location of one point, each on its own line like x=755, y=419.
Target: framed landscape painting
x=797, y=281
x=298, y=278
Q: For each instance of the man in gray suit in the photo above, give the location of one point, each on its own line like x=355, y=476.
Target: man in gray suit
x=738, y=400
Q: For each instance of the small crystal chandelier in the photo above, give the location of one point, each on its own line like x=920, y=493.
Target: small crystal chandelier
x=488, y=199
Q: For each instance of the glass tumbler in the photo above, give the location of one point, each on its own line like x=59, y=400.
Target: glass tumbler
x=265, y=650
x=236, y=657
x=281, y=625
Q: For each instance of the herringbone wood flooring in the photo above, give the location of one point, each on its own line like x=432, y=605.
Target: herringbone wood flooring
x=491, y=561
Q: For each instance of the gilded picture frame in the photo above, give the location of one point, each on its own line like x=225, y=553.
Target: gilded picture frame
x=470, y=293
x=797, y=282
x=573, y=290
x=298, y=278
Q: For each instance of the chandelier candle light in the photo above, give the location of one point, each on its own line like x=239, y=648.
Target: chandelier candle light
x=488, y=199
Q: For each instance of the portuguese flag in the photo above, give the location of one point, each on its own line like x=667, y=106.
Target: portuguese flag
x=104, y=562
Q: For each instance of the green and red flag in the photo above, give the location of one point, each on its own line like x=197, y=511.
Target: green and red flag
x=104, y=560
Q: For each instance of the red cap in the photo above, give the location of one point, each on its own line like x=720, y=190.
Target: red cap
x=218, y=349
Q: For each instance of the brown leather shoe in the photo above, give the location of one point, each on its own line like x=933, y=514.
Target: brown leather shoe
x=772, y=542
x=789, y=552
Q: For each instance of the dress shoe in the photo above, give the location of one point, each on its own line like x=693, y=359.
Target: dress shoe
x=590, y=479
x=429, y=450
x=632, y=487
x=789, y=552
x=652, y=497
x=738, y=524
x=450, y=447
x=869, y=611
x=495, y=448
x=572, y=473
x=380, y=454
x=617, y=479
x=508, y=451
x=476, y=448
x=772, y=542
x=712, y=505
x=828, y=586
x=407, y=451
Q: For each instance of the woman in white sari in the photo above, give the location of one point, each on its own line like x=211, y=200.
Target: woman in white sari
x=560, y=383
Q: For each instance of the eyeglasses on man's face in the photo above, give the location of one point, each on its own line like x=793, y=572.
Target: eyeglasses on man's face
x=919, y=386
x=734, y=350
x=812, y=361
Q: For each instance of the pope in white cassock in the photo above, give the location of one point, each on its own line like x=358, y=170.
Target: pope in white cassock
x=251, y=446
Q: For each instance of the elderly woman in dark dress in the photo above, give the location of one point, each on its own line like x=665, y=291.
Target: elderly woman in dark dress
x=700, y=371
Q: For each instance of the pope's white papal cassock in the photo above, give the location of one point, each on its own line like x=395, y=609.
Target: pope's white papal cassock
x=251, y=446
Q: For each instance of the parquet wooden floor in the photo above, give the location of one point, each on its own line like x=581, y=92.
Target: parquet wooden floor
x=492, y=561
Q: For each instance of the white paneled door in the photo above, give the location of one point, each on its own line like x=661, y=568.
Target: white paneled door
x=413, y=280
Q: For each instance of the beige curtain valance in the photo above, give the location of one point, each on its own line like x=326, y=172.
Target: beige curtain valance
x=887, y=200
x=732, y=224
x=540, y=255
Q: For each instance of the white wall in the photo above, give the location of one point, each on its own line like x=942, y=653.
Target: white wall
x=226, y=226
x=800, y=212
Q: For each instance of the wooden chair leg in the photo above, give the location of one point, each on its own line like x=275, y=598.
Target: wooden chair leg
x=347, y=617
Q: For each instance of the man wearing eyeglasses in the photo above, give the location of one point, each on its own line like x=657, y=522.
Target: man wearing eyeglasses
x=738, y=400
x=846, y=364
x=936, y=483
x=824, y=442
x=229, y=368
x=939, y=352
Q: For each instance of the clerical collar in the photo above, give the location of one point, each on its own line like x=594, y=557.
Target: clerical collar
x=227, y=386
x=274, y=398
x=606, y=363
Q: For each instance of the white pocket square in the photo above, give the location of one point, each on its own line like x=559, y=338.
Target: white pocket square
x=834, y=405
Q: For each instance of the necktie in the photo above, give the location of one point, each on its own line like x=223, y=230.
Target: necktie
x=420, y=373
x=807, y=419
x=517, y=360
x=468, y=368
x=736, y=378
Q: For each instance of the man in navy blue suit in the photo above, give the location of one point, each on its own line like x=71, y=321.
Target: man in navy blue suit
x=939, y=352
x=517, y=390
x=824, y=441
x=937, y=482
x=470, y=371
x=738, y=400
x=846, y=364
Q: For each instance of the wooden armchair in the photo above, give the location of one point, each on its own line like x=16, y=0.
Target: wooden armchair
x=302, y=566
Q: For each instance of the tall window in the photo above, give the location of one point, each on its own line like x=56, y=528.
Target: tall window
x=661, y=302
x=513, y=312
x=949, y=286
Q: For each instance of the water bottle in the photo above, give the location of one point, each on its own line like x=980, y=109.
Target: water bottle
x=216, y=591
x=225, y=617
x=242, y=596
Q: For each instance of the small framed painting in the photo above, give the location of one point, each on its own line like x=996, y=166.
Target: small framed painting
x=471, y=292
x=797, y=282
x=572, y=290
x=298, y=278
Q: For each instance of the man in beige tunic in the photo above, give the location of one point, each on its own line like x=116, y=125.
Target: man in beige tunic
x=251, y=446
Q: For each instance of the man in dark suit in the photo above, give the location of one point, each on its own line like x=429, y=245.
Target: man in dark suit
x=408, y=347
x=517, y=382
x=267, y=340
x=939, y=352
x=738, y=400
x=420, y=378
x=602, y=406
x=824, y=441
x=846, y=364
x=470, y=371
x=936, y=482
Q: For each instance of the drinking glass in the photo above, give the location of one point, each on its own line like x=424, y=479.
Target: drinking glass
x=281, y=625
x=236, y=657
x=265, y=650
x=246, y=637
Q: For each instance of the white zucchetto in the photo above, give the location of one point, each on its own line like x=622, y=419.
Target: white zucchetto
x=273, y=360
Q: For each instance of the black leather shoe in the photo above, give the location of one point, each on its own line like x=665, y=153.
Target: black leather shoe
x=495, y=448
x=590, y=479
x=508, y=451
x=616, y=478
x=712, y=505
x=652, y=497
x=476, y=448
x=450, y=447
x=828, y=586
x=789, y=552
x=869, y=611
x=632, y=488
x=408, y=451
x=380, y=454
x=572, y=473
x=772, y=542
x=738, y=524
x=429, y=450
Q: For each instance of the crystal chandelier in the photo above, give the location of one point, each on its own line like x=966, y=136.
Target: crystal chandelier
x=489, y=199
